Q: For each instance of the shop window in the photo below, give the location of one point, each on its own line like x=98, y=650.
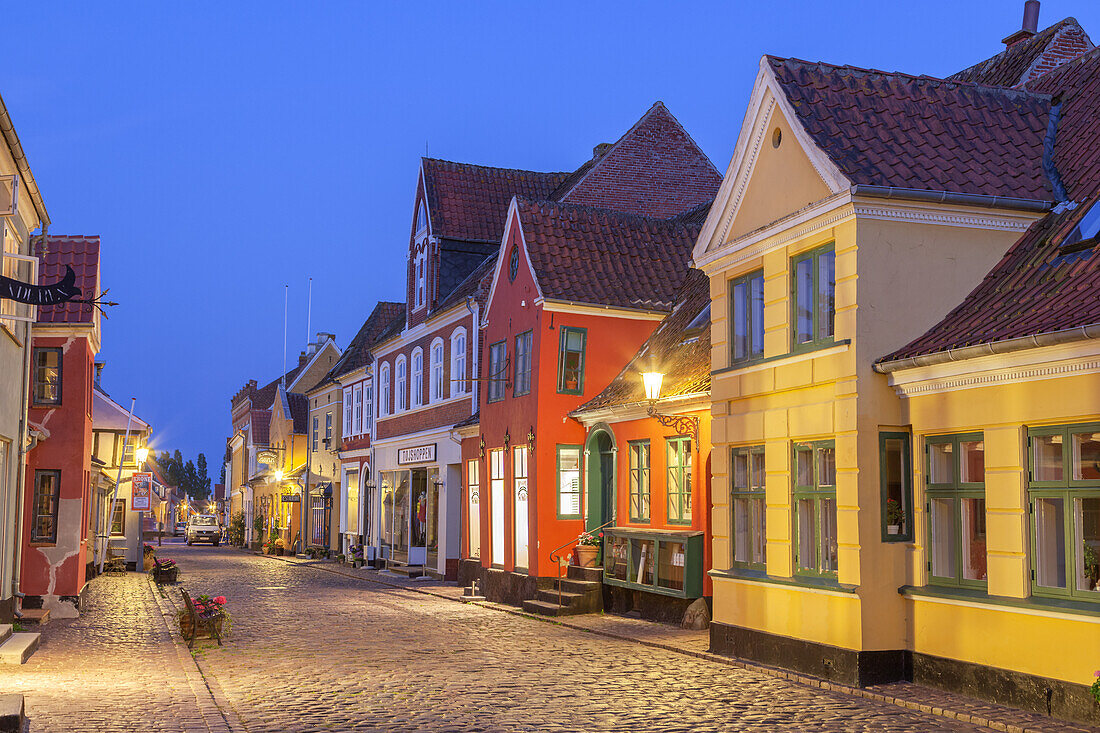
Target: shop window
x=416, y=383
x=571, y=360
x=679, y=480
x=639, y=481
x=522, y=380
x=956, y=509
x=458, y=361
x=569, y=482
x=437, y=391
x=118, y=518
x=1064, y=499
x=47, y=376
x=747, y=318
x=748, y=505
x=498, y=370
x=895, y=477
x=815, y=508
x=473, y=514
x=813, y=308
x=47, y=493
x=522, y=508
x=496, y=485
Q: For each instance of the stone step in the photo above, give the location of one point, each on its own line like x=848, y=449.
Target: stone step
x=547, y=609
x=5, y=632
x=578, y=586
x=38, y=616
x=567, y=599
x=12, y=715
x=576, y=572
x=412, y=571
x=19, y=647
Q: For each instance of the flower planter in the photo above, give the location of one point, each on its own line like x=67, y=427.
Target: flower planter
x=186, y=625
x=165, y=575
x=893, y=529
x=358, y=564
x=586, y=555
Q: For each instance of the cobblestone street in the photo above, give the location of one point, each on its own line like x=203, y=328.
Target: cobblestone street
x=318, y=651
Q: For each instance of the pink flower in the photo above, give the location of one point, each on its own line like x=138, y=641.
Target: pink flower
x=220, y=600
x=1097, y=673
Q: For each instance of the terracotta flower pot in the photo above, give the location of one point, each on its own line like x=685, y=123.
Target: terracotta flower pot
x=586, y=555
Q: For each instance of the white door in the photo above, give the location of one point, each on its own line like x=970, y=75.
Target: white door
x=519, y=471
x=496, y=480
x=473, y=510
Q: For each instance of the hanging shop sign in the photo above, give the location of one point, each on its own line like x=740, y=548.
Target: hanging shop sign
x=291, y=497
x=142, y=484
x=60, y=292
x=416, y=454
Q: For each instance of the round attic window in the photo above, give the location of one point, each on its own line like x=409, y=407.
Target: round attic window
x=777, y=137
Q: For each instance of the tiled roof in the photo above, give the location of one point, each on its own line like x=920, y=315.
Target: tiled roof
x=1037, y=288
x=469, y=202
x=261, y=426
x=358, y=352
x=892, y=129
x=682, y=353
x=299, y=412
x=1029, y=59
x=588, y=255
x=655, y=169
x=81, y=254
x=476, y=284
x=109, y=415
x=471, y=420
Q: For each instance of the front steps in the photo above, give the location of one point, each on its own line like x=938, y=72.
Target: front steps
x=16, y=648
x=400, y=568
x=581, y=592
x=38, y=616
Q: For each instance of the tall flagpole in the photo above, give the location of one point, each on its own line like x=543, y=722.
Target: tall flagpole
x=286, y=295
x=309, y=311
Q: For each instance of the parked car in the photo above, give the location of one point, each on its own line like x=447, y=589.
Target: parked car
x=204, y=528
x=181, y=528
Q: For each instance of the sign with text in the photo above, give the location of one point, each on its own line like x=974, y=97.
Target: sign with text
x=142, y=492
x=417, y=454
x=292, y=497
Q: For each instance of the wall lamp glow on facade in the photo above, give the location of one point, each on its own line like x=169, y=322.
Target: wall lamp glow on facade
x=682, y=424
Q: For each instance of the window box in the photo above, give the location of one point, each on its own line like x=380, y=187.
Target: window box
x=662, y=561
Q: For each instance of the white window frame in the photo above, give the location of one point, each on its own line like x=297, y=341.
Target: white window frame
x=437, y=390
x=384, y=393
x=400, y=386
x=368, y=406
x=420, y=274
x=347, y=411
x=458, y=361
x=416, y=378
x=357, y=403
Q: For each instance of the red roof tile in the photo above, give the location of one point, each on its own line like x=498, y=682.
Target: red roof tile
x=261, y=424
x=1037, y=287
x=82, y=254
x=358, y=352
x=891, y=129
x=1027, y=60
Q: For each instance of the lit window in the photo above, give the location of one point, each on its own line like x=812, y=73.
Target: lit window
x=815, y=508
x=748, y=504
x=679, y=481
x=47, y=376
x=956, y=507
x=571, y=360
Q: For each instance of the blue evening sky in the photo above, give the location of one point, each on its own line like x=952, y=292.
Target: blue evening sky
x=222, y=150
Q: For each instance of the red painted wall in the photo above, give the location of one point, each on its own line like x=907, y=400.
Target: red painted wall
x=68, y=449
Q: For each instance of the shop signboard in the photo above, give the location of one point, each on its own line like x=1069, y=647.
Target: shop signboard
x=142, y=484
x=416, y=454
x=292, y=497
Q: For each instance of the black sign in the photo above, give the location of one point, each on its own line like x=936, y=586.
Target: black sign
x=59, y=292
x=291, y=497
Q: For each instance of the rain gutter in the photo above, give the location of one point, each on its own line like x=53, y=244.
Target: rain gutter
x=951, y=197
x=8, y=130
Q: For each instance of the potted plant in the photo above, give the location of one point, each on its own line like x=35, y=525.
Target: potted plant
x=357, y=556
x=236, y=529
x=280, y=546
x=149, y=558
x=340, y=558
x=205, y=604
x=895, y=516
x=165, y=571
x=588, y=549
x=257, y=532
x=1092, y=565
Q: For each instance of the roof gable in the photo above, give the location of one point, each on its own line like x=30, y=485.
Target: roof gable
x=655, y=169
x=1027, y=60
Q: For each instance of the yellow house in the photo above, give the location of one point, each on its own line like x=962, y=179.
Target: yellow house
x=278, y=491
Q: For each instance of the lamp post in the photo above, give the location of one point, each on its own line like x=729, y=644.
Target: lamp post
x=682, y=424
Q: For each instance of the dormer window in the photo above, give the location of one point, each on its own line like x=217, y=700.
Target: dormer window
x=1085, y=234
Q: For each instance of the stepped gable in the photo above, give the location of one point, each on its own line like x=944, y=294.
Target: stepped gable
x=82, y=254
x=583, y=254
x=1027, y=60
x=1040, y=286
x=358, y=353
x=470, y=202
x=655, y=169
x=892, y=129
x=682, y=345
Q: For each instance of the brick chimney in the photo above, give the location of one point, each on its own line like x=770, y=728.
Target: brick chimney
x=1030, y=25
x=99, y=372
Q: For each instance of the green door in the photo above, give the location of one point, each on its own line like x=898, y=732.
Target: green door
x=601, y=480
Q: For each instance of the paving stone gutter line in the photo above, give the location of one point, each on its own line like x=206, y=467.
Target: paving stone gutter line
x=212, y=703
x=941, y=711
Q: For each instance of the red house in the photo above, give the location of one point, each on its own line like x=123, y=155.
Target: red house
x=583, y=278
x=55, y=513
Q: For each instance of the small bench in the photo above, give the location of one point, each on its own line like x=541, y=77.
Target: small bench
x=209, y=621
x=162, y=574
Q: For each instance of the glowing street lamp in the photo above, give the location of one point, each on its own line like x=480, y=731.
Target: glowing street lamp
x=278, y=474
x=141, y=454
x=682, y=424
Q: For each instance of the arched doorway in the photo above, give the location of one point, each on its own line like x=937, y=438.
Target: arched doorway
x=600, y=456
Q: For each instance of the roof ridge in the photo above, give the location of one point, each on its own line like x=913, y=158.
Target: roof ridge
x=493, y=167
x=674, y=220
x=1061, y=69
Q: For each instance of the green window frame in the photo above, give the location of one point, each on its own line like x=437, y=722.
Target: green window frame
x=47, y=376
x=679, y=480
x=896, y=486
x=498, y=371
x=639, y=481
x=955, y=506
x=571, y=352
x=748, y=508
x=813, y=298
x=47, y=495
x=814, y=509
x=746, y=295
x=568, y=467
x=521, y=382
x=1064, y=504
x=118, y=518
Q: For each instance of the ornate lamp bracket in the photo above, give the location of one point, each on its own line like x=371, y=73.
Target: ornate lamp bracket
x=682, y=424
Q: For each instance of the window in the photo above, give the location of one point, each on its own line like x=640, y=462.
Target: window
x=679, y=480
x=328, y=429
x=521, y=383
x=747, y=317
x=815, y=508
x=569, y=482
x=47, y=493
x=384, y=390
x=895, y=470
x=357, y=410
x=956, y=509
x=498, y=370
x=347, y=411
x=128, y=450
x=749, y=507
x=421, y=217
x=571, y=360
x=1064, y=497
x=401, y=389
x=118, y=518
x=813, y=305
x=522, y=511
x=316, y=420
x=368, y=407
x=458, y=362
x=421, y=277
x=416, y=384
x=47, y=376
x=639, y=481
x=437, y=391
x=473, y=514
x=496, y=487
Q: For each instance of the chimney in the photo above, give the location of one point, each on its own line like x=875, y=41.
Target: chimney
x=99, y=371
x=303, y=357
x=1030, y=25
x=600, y=149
